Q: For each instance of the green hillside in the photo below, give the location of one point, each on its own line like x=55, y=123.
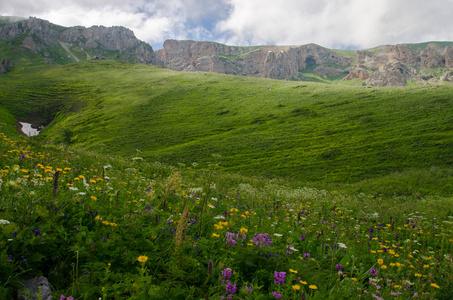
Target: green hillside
x=309, y=132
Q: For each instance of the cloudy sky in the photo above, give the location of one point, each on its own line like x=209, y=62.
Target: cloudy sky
x=339, y=24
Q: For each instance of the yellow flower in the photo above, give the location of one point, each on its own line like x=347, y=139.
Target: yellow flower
x=435, y=286
x=93, y=198
x=296, y=287
x=142, y=258
x=215, y=235
x=293, y=271
x=313, y=287
x=418, y=275
x=243, y=230
x=354, y=279
x=380, y=261
x=383, y=267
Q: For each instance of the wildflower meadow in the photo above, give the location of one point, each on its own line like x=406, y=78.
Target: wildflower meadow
x=105, y=227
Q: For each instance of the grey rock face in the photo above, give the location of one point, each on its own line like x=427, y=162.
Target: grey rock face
x=277, y=62
x=41, y=34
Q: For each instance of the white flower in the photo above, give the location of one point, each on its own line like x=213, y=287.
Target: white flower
x=341, y=245
x=73, y=188
x=4, y=222
x=219, y=217
x=211, y=206
x=277, y=234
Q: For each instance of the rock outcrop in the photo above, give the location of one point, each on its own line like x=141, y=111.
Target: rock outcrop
x=277, y=62
x=39, y=35
x=6, y=65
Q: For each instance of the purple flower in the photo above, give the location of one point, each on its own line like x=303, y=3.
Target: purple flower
x=230, y=239
x=10, y=257
x=373, y=272
x=302, y=238
x=262, y=239
x=277, y=296
x=339, y=267
x=66, y=298
x=226, y=273
x=279, y=277
x=230, y=288
x=306, y=255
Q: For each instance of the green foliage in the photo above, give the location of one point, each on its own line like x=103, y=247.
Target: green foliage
x=121, y=228
x=310, y=132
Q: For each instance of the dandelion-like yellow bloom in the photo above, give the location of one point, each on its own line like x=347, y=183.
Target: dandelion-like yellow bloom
x=215, y=235
x=93, y=198
x=354, y=279
x=293, y=271
x=243, y=230
x=303, y=282
x=313, y=287
x=142, y=258
x=380, y=261
x=435, y=286
x=383, y=267
x=418, y=275
x=296, y=287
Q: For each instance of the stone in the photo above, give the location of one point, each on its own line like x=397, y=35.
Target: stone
x=31, y=287
x=6, y=65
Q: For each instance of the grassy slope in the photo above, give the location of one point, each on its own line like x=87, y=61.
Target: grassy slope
x=8, y=124
x=303, y=131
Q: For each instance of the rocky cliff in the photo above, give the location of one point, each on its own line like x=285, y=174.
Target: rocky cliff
x=393, y=65
x=277, y=62
x=383, y=66
x=43, y=37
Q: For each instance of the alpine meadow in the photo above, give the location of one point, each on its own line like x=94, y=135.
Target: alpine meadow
x=148, y=183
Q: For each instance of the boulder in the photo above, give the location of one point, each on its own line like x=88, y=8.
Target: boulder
x=6, y=65
x=32, y=286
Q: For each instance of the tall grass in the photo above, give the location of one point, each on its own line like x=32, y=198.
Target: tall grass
x=121, y=228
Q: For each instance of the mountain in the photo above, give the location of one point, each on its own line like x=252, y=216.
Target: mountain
x=382, y=66
x=36, y=41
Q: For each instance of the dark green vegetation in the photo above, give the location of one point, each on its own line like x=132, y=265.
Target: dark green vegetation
x=369, y=138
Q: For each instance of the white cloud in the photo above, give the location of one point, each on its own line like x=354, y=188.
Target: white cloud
x=330, y=23
x=335, y=23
